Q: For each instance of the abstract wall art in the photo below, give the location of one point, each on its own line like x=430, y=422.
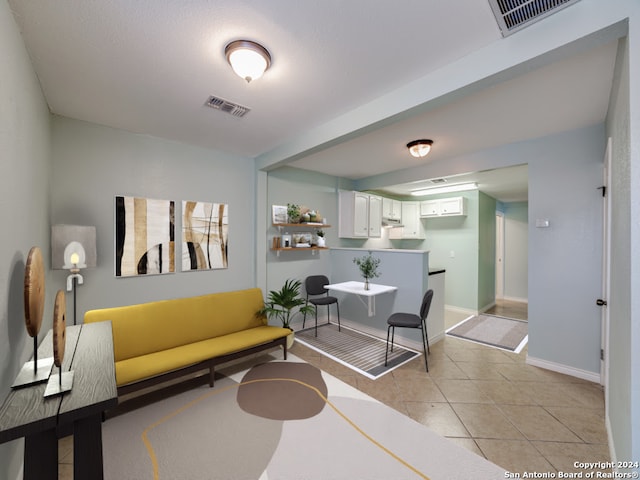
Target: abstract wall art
x=145, y=236
x=205, y=232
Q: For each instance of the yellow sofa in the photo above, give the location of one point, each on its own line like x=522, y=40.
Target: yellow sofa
x=157, y=341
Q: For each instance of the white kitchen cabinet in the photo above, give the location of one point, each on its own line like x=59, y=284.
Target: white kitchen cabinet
x=411, y=224
x=452, y=206
x=443, y=207
x=360, y=215
x=391, y=209
x=430, y=208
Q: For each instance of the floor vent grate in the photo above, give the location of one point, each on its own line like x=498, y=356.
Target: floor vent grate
x=513, y=15
x=227, y=106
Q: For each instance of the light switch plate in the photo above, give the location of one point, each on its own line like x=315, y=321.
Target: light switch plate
x=542, y=222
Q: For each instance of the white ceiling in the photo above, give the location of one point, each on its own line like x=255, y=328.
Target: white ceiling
x=148, y=66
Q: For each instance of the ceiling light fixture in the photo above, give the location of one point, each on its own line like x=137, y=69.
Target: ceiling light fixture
x=248, y=59
x=461, y=187
x=419, y=148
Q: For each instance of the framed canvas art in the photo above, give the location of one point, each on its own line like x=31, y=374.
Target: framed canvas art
x=205, y=235
x=145, y=236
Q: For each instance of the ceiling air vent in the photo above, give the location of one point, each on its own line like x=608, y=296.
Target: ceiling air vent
x=227, y=106
x=438, y=180
x=512, y=15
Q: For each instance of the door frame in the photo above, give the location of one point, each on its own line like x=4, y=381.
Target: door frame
x=606, y=269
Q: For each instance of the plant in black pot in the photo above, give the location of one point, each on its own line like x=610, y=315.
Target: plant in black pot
x=283, y=304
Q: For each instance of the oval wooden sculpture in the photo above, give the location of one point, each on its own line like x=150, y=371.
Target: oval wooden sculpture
x=59, y=328
x=34, y=291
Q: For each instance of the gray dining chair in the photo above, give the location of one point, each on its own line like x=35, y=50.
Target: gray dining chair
x=314, y=285
x=411, y=320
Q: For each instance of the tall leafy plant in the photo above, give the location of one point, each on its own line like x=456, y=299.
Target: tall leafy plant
x=283, y=304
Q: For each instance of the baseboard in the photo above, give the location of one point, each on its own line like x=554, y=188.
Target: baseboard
x=487, y=307
x=465, y=311
x=516, y=299
x=565, y=369
x=612, y=447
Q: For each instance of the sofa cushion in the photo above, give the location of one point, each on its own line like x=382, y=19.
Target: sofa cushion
x=143, y=329
x=145, y=366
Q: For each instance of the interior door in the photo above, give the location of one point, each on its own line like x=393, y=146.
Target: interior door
x=499, y=255
x=606, y=270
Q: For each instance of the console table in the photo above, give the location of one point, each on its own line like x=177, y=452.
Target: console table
x=357, y=288
x=26, y=413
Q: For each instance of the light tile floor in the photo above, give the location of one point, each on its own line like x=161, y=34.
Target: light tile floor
x=491, y=402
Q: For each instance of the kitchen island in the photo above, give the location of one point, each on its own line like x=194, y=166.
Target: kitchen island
x=408, y=271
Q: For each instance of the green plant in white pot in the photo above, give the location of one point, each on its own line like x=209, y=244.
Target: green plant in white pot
x=368, y=266
x=283, y=304
x=320, y=235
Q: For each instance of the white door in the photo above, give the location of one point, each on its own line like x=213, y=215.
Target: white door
x=606, y=270
x=499, y=255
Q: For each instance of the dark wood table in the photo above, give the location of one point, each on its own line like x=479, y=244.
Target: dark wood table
x=26, y=413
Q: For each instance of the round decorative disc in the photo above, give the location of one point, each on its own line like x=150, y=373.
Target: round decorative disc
x=59, y=328
x=34, y=291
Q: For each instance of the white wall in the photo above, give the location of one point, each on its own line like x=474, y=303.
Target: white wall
x=92, y=164
x=565, y=259
x=24, y=196
x=621, y=410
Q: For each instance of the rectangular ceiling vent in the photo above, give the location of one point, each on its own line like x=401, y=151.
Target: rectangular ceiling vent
x=438, y=180
x=227, y=106
x=513, y=15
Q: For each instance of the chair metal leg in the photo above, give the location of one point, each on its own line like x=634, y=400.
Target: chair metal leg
x=316, y=320
x=304, y=317
x=386, y=350
x=338, y=310
x=425, y=342
x=328, y=314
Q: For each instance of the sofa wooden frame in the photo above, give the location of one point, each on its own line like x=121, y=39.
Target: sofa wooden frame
x=209, y=364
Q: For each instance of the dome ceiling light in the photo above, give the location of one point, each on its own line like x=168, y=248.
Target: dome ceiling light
x=419, y=148
x=248, y=59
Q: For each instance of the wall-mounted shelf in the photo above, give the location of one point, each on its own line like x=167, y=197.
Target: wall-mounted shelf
x=301, y=249
x=306, y=226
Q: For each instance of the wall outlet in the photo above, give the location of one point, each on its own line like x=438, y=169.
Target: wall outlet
x=452, y=254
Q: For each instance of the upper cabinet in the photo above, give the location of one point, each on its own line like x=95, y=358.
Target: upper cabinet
x=411, y=224
x=360, y=215
x=443, y=207
x=391, y=209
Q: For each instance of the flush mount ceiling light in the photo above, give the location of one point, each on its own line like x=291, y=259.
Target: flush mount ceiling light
x=461, y=187
x=419, y=148
x=248, y=59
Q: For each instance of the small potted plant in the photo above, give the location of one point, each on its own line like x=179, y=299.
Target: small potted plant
x=320, y=235
x=293, y=212
x=282, y=304
x=368, y=266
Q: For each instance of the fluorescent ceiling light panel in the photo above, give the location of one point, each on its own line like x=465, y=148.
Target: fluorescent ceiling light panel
x=461, y=187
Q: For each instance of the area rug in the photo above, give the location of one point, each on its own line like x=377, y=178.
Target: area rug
x=358, y=351
x=500, y=332
x=283, y=420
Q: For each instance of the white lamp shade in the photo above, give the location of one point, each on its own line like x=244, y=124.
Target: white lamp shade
x=248, y=59
x=74, y=256
x=420, y=149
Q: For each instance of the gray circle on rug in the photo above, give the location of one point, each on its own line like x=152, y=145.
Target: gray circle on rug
x=283, y=391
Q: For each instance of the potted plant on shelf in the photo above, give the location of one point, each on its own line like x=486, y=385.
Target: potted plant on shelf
x=293, y=212
x=282, y=304
x=368, y=266
x=320, y=235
